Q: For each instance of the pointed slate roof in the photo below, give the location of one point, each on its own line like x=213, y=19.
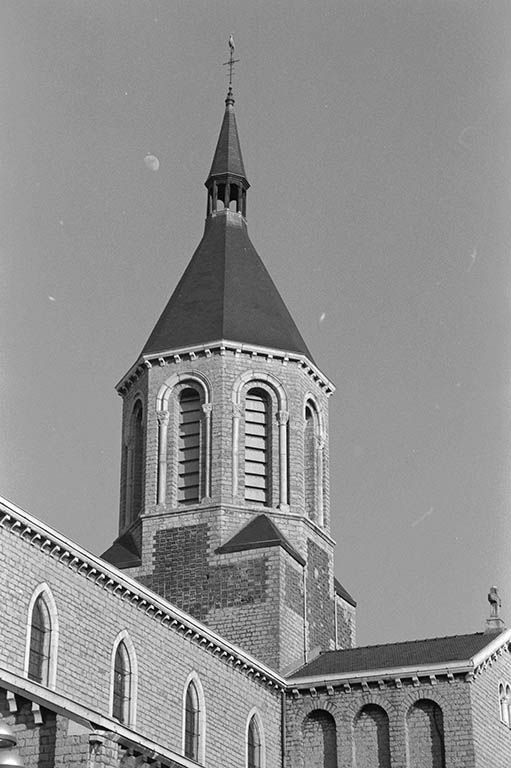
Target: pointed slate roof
x=227, y=158
x=434, y=650
x=226, y=292
x=258, y=533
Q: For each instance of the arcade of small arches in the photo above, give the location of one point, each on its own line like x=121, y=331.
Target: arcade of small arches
x=368, y=737
x=260, y=446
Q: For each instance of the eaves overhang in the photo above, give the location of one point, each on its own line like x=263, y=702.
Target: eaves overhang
x=387, y=673
x=222, y=346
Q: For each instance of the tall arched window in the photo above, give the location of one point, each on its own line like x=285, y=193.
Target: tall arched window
x=254, y=745
x=40, y=643
x=134, y=453
x=122, y=684
x=309, y=463
x=257, y=446
x=189, y=448
x=192, y=722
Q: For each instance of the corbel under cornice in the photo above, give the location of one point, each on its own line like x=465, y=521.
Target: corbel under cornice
x=222, y=346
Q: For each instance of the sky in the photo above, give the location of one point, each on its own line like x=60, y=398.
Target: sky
x=376, y=136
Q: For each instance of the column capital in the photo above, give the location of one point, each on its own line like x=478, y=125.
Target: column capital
x=282, y=417
x=237, y=410
x=163, y=417
x=206, y=409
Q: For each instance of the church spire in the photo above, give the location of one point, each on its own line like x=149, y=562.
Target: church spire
x=227, y=182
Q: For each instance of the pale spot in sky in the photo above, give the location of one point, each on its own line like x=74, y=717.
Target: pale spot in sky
x=52, y=298
x=467, y=136
x=473, y=257
x=422, y=517
x=125, y=93
x=322, y=317
x=152, y=162
x=458, y=384
x=61, y=223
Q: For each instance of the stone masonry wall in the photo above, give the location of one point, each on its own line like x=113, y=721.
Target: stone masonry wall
x=360, y=719
x=492, y=737
x=90, y=618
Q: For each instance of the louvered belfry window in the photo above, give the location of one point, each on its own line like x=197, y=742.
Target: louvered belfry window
x=309, y=469
x=257, y=446
x=40, y=635
x=190, y=419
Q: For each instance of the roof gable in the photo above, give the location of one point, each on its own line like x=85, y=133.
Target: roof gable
x=258, y=533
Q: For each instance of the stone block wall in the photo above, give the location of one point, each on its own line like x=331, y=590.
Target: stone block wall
x=383, y=725
x=92, y=611
x=492, y=736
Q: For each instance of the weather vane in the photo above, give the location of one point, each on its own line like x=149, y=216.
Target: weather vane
x=232, y=61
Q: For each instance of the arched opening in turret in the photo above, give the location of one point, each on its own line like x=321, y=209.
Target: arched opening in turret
x=229, y=195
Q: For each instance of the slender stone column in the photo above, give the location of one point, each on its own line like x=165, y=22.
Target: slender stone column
x=320, y=446
x=163, y=421
x=237, y=412
x=128, y=506
x=207, y=408
x=282, y=419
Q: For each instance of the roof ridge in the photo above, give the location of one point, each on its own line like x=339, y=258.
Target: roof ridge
x=402, y=642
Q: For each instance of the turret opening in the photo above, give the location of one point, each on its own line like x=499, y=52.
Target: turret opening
x=227, y=196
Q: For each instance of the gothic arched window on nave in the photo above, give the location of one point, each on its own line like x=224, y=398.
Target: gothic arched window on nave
x=40, y=642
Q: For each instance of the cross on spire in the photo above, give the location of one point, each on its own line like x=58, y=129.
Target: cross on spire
x=232, y=61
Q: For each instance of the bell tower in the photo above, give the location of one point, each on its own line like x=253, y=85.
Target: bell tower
x=224, y=504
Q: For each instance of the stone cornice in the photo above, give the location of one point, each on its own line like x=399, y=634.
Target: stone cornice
x=426, y=673
x=223, y=347
x=90, y=719
x=105, y=576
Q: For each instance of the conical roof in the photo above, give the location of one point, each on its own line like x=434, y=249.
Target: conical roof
x=226, y=293
x=227, y=158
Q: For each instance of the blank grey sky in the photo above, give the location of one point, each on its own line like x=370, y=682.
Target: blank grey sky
x=376, y=138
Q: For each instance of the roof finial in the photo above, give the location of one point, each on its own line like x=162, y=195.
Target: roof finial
x=232, y=61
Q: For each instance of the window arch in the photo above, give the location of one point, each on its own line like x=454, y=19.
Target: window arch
x=371, y=737
x=194, y=719
x=255, y=742
x=42, y=636
x=190, y=445
x=505, y=702
x=319, y=734
x=134, y=458
x=425, y=732
x=310, y=469
x=257, y=446
x=123, y=680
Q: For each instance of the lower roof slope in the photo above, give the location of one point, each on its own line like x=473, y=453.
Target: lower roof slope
x=226, y=293
x=435, y=650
